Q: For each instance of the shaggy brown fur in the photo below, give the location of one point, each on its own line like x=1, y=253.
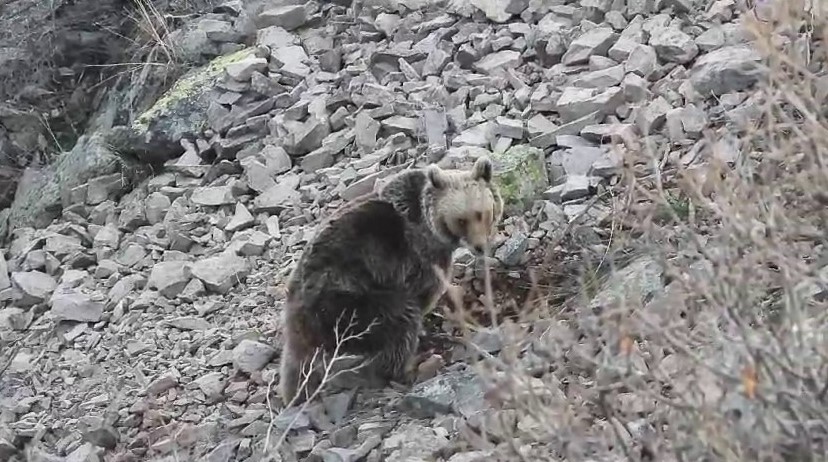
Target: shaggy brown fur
x=374, y=260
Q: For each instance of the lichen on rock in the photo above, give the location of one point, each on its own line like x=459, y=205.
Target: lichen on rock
x=180, y=112
x=520, y=174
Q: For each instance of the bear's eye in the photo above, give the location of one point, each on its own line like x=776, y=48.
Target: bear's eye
x=461, y=223
x=478, y=216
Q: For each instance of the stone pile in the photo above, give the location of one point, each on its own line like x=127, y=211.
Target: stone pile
x=149, y=312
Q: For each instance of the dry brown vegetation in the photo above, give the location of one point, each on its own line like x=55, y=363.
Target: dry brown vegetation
x=728, y=360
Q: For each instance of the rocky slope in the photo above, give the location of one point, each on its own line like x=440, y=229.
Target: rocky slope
x=141, y=312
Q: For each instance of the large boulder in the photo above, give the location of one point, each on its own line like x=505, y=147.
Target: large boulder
x=43, y=192
x=181, y=112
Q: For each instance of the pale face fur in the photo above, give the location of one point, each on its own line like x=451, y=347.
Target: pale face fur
x=464, y=205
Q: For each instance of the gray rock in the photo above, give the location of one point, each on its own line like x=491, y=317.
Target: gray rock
x=650, y=118
x=61, y=245
x=212, y=385
x=275, y=37
x=594, y=42
x=366, y=129
x=75, y=306
x=412, y=442
x=574, y=127
x=728, y=69
x=157, y=205
x=32, y=287
x=638, y=281
x=435, y=62
x=500, y=11
x=578, y=160
x=83, y=453
x=435, y=124
x=521, y=175
x=104, y=187
x=250, y=356
x=401, y=124
x=635, y=88
x=291, y=61
x=575, y=102
x=276, y=159
x=673, y=45
x=278, y=197
x=610, y=164
x=711, y=39
x=610, y=133
x=12, y=319
x=622, y=48
x=642, y=61
x=106, y=268
x=218, y=31
x=181, y=112
x=455, y=391
x=163, y=383
x=511, y=128
x=241, y=219
x=308, y=137
x=502, y=60
x=41, y=193
x=213, y=196
x=288, y=17
x=169, y=278
x=189, y=323
x=220, y=273
x=576, y=187
x=603, y=78
x=103, y=436
x=512, y=251
x=224, y=452
x=130, y=255
x=257, y=175
x=5, y=281
x=250, y=243
x=387, y=23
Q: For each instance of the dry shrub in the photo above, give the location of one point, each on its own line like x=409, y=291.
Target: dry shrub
x=712, y=346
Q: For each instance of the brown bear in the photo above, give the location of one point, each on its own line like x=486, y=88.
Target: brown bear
x=373, y=265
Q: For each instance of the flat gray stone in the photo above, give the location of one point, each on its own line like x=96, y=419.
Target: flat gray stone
x=251, y=356
x=75, y=306
x=32, y=287
x=169, y=278
x=220, y=273
x=728, y=69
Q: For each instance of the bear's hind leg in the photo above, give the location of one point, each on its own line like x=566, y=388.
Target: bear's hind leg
x=394, y=363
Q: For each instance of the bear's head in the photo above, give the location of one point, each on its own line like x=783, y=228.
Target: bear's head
x=463, y=207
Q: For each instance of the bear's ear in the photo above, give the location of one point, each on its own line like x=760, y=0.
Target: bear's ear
x=436, y=176
x=482, y=169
